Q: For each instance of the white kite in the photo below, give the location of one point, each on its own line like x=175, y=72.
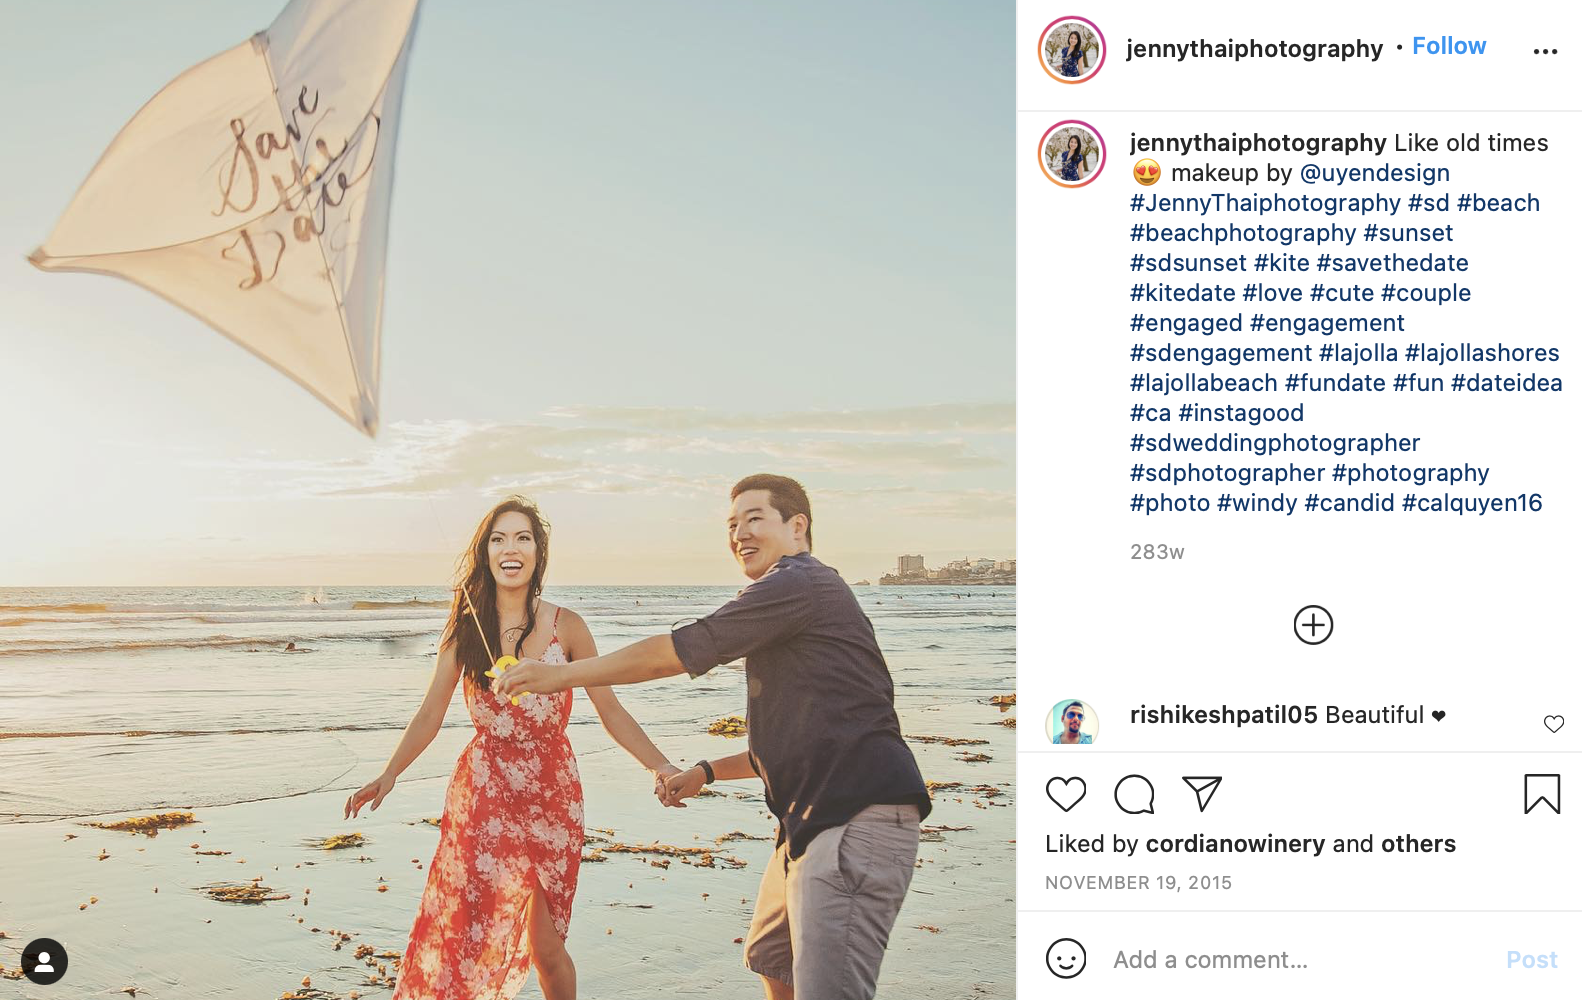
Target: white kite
x=254, y=192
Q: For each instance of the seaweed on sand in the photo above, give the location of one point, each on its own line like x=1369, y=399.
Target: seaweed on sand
x=149, y=825
x=936, y=834
x=986, y=791
x=340, y=841
x=698, y=857
x=731, y=726
x=241, y=892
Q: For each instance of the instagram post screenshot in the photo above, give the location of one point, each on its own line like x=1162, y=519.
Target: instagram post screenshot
x=1296, y=488
x=420, y=416
x=509, y=500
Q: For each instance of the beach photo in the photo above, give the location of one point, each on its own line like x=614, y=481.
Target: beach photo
x=451, y=563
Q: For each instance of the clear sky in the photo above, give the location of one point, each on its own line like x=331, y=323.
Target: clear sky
x=637, y=251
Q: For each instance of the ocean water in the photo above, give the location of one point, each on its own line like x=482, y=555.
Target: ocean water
x=118, y=700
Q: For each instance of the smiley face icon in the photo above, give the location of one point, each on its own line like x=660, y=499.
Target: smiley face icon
x=1147, y=172
x=1066, y=958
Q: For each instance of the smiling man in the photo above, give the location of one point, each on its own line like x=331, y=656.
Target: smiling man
x=1071, y=724
x=822, y=733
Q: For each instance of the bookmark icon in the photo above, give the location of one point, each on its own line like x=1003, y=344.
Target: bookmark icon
x=1540, y=789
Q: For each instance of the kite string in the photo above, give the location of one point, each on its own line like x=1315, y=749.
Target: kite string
x=472, y=611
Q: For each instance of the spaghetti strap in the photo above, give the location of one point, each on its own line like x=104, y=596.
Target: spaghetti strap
x=554, y=626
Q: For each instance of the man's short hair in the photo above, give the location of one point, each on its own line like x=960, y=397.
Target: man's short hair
x=1075, y=704
x=786, y=496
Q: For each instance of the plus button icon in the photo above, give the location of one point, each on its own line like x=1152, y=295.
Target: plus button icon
x=1313, y=625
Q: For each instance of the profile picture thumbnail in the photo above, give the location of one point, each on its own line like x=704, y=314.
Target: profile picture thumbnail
x=1071, y=153
x=1071, y=49
x=1072, y=722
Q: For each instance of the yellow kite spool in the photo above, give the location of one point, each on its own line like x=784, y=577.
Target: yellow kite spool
x=504, y=661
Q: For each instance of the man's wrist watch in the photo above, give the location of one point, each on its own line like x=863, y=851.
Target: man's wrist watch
x=708, y=772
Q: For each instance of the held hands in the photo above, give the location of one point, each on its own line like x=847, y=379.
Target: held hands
x=375, y=792
x=662, y=774
x=529, y=677
x=682, y=785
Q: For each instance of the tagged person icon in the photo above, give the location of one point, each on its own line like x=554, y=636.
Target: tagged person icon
x=44, y=961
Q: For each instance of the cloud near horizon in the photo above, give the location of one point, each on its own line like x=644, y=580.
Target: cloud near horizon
x=950, y=460
x=941, y=418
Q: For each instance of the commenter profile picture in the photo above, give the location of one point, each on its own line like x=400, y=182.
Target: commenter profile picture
x=1072, y=721
x=1071, y=153
x=1071, y=49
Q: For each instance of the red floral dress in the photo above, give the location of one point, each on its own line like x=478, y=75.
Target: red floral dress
x=513, y=817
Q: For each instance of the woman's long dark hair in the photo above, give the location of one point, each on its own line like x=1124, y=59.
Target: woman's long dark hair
x=1076, y=139
x=1071, y=49
x=475, y=577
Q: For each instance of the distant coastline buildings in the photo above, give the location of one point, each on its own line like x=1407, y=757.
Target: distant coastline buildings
x=912, y=571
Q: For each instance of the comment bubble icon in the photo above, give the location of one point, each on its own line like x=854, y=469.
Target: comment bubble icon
x=1135, y=794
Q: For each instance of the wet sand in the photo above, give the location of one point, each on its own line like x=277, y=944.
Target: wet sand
x=638, y=929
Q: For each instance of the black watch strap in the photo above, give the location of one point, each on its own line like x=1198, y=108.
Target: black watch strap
x=708, y=772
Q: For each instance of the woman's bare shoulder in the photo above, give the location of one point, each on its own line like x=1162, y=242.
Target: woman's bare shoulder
x=575, y=636
x=570, y=618
x=560, y=616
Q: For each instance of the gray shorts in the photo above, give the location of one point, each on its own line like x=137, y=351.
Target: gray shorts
x=822, y=921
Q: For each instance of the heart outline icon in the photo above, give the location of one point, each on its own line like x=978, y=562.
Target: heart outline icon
x=1065, y=792
x=1554, y=722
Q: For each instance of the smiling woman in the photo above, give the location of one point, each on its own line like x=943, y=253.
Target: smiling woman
x=511, y=835
x=512, y=535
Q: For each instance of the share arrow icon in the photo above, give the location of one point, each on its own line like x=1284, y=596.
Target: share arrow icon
x=1204, y=789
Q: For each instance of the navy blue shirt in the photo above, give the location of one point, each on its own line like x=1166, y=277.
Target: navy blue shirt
x=821, y=726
